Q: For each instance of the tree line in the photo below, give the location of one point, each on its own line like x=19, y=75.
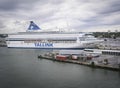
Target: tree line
x=107, y=34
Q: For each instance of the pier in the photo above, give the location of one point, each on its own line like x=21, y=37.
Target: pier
x=94, y=62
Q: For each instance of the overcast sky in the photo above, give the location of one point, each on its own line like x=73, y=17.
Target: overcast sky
x=79, y=15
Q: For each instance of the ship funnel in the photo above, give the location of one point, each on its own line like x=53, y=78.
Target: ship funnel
x=33, y=26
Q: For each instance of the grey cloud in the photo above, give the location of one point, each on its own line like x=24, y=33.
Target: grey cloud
x=111, y=7
x=2, y=26
x=104, y=15
x=11, y=8
x=7, y=5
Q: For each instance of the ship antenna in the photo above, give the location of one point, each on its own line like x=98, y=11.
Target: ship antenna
x=67, y=23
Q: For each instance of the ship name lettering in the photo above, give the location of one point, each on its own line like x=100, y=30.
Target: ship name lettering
x=43, y=44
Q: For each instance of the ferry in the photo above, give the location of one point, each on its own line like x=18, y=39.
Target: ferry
x=34, y=37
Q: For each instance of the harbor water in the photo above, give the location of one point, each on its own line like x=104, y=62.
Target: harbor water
x=20, y=68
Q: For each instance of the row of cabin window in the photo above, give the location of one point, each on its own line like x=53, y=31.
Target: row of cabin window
x=53, y=41
x=112, y=53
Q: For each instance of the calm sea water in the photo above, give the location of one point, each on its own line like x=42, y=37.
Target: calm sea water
x=20, y=68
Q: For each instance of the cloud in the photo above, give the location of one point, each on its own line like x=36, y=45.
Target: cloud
x=111, y=19
x=2, y=26
x=80, y=15
x=11, y=5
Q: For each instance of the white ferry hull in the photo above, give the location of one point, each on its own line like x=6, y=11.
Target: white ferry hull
x=49, y=39
x=48, y=45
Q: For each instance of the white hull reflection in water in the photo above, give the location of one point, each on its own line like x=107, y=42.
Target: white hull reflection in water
x=51, y=39
x=20, y=68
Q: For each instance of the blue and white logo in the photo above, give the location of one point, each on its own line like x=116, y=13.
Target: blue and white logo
x=43, y=44
x=33, y=26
